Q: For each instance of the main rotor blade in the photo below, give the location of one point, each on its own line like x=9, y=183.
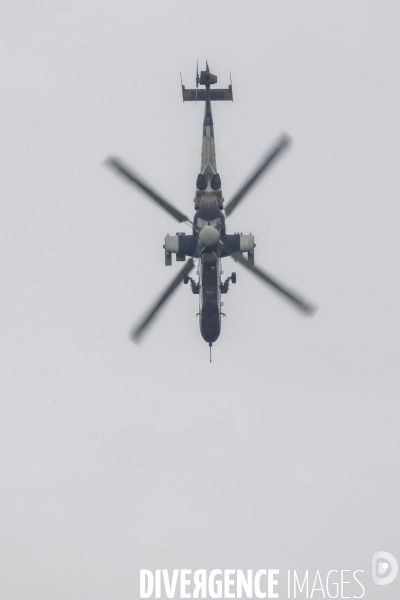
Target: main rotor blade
x=126, y=172
x=290, y=294
x=279, y=146
x=140, y=328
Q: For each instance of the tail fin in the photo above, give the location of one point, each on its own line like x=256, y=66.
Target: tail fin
x=190, y=95
x=207, y=79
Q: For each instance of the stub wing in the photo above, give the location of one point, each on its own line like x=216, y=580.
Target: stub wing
x=200, y=95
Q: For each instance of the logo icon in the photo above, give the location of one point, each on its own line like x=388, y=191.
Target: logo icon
x=384, y=568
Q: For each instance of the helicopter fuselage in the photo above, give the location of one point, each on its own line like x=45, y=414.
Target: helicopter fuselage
x=209, y=234
x=209, y=225
x=210, y=296
x=208, y=242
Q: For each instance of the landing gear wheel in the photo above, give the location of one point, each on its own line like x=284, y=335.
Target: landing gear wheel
x=186, y=280
x=233, y=277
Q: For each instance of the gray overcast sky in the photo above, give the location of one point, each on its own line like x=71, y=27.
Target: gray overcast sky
x=284, y=452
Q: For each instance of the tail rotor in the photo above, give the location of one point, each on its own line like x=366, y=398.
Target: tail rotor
x=197, y=78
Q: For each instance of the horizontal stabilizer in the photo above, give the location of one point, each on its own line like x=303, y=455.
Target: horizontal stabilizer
x=200, y=95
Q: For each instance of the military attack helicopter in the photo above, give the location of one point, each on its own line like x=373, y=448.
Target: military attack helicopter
x=209, y=242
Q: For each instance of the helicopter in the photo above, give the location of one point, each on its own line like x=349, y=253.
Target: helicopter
x=209, y=242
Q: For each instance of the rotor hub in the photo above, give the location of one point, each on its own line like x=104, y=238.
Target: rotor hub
x=209, y=236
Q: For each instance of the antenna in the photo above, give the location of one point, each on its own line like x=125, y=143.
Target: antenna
x=210, y=344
